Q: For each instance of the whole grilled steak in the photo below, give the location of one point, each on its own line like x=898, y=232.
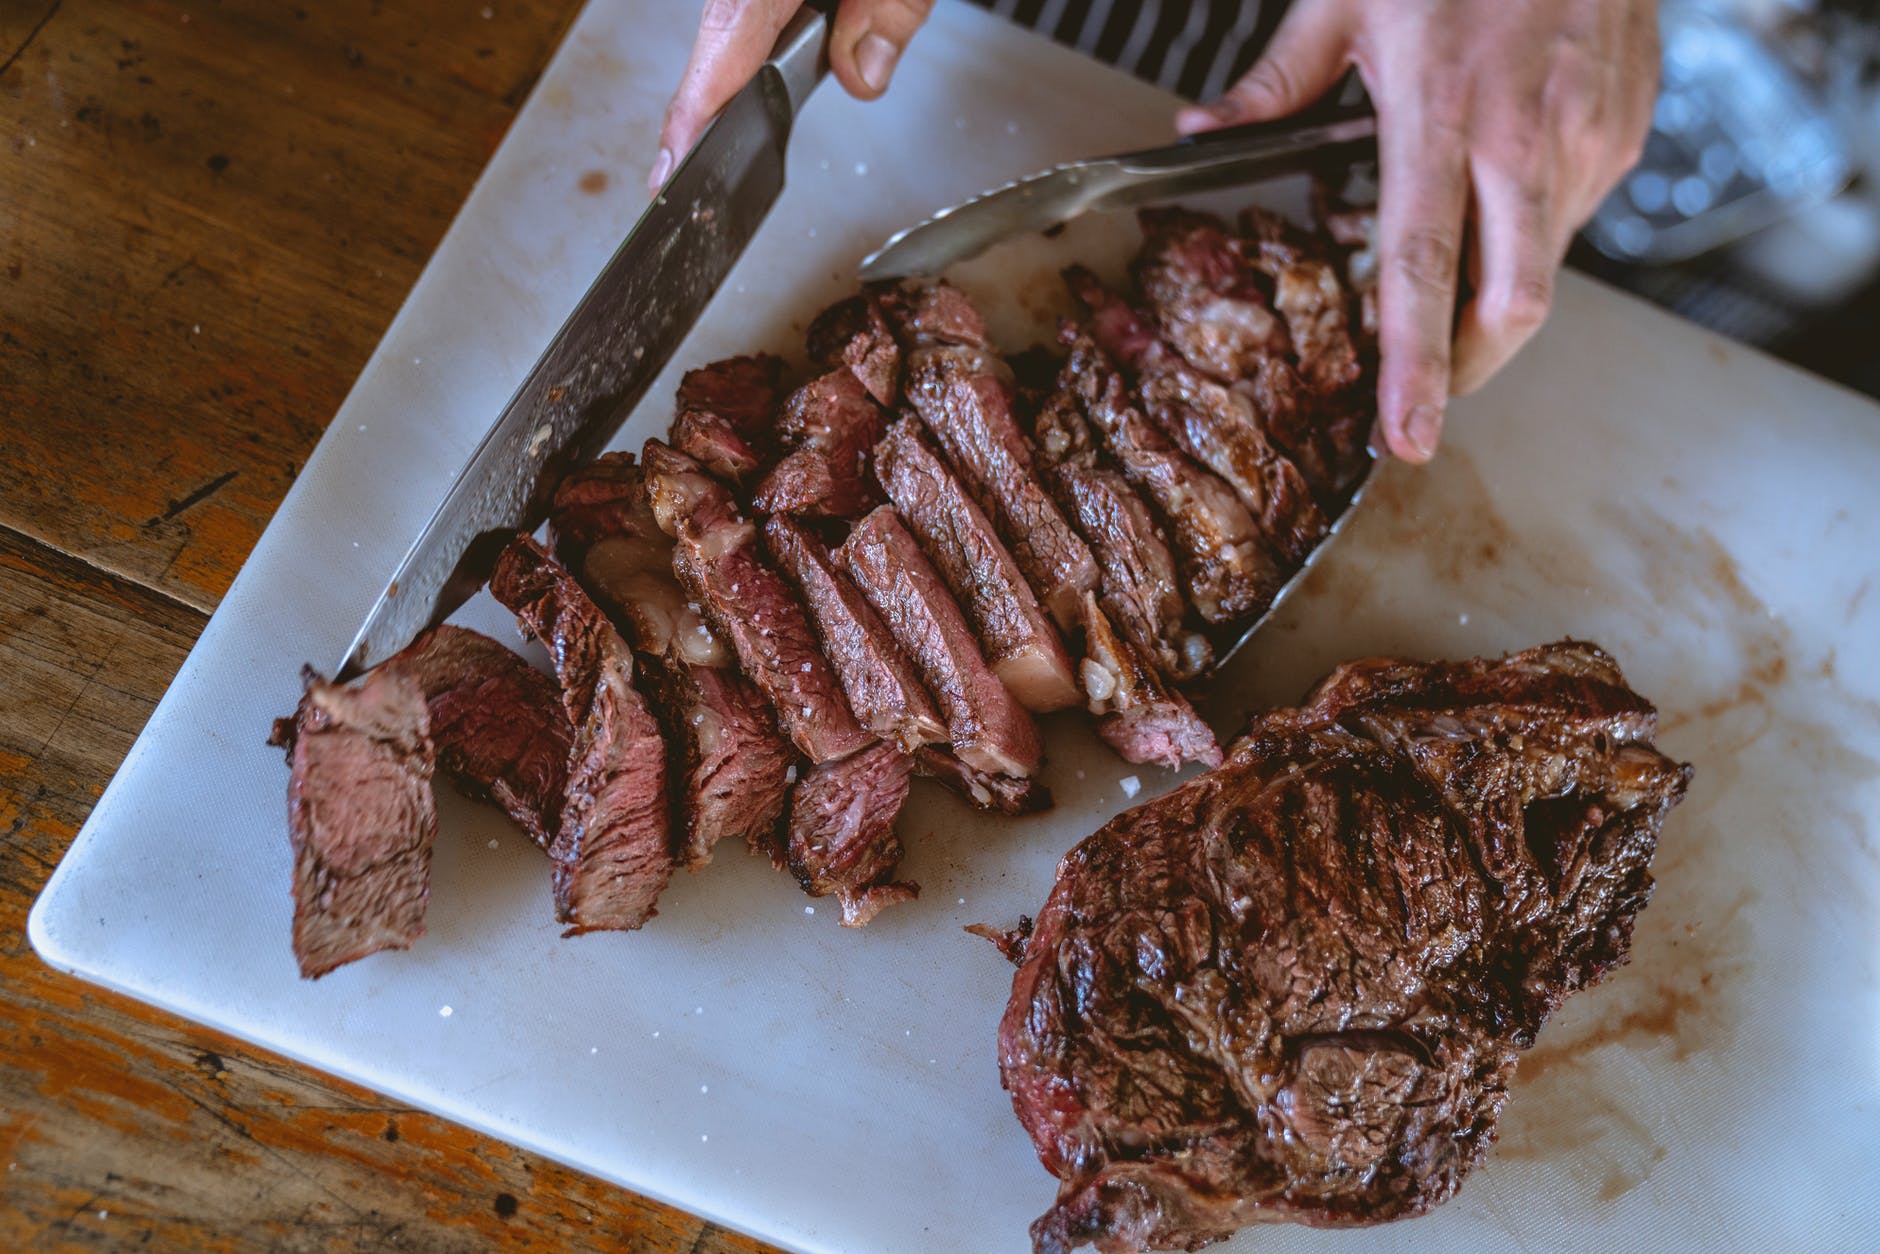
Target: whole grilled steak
x=1296, y=988
x=613, y=849
x=361, y=817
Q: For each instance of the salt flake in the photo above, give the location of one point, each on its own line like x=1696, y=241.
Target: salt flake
x=1130, y=785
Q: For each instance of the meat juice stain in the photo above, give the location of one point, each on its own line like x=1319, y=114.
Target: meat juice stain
x=594, y=182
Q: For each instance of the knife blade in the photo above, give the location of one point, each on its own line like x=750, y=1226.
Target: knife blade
x=1226, y=158
x=615, y=343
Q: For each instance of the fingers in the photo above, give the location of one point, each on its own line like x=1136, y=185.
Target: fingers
x=734, y=37
x=1422, y=197
x=868, y=40
x=1303, y=61
x=1520, y=242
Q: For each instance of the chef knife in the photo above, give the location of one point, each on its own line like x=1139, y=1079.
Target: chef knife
x=1328, y=138
x=612, y=347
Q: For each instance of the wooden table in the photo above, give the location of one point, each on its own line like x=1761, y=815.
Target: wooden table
x=208, y=214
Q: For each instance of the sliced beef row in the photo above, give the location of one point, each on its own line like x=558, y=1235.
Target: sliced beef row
x=729, y=764
x=723, y=571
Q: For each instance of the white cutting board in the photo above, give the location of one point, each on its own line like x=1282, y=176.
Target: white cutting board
x=1708, y=515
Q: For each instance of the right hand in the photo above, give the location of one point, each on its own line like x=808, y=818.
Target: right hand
x=734, y=38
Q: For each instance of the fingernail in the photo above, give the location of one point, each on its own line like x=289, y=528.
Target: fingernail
x=874, y=60
x=662, y=166
x=1203, y=117
x=1422, y=429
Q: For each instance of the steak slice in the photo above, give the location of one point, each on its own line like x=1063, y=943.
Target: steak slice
x=746, y=602
x=883, y=688
x=998, y=794
x=1228, y=569
x=1021, y=645
x=1288, y=991
x=855, y=333
x=988, y=728
x=497, y=723
x=612, y=853
x=1140, y=594
x=1141, y=717
x=742, y=391
x=1203, y=295
x=829, y=425
x=361, y=818
x=729, y=767
x=1217, y=426
x=842, y=837
x=1309, y=296
x=967, y=408
x=723, y=409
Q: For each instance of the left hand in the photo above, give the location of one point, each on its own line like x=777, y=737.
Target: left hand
x=1513, y=117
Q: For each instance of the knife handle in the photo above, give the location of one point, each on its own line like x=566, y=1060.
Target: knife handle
x=798, y=62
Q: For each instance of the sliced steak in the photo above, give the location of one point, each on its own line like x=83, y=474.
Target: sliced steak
x=855, y=333
x=1204, y=297
x=829, y=425
x=842, y=837
x=999, y=794
x=967, y=407
x=986, y=725
x=1140, y=594
x=724, y=410
x=1140, y=717
x=1228, y=569
x=497, y=723
x=612, y=854
x=730, y=766
x=1021, y=645
x=747, y=603
x=1290, y=990
x=741, y=390
x=1318, y=307
x=883, y=688
x=1219, y=428
x=361, y=818
x=709, y=440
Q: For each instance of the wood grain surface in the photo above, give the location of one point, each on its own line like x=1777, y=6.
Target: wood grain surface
x=209, y=211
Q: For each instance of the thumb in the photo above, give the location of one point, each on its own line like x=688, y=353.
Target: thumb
x=869, y=38
x=1307, y=56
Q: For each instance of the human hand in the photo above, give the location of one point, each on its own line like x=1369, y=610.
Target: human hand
x=734, y=37
x=1514, y=117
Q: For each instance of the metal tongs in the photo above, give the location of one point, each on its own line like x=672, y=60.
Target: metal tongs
x=1322, y=140
x=1326, y=140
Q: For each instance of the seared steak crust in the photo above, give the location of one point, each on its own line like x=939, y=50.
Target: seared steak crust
x=1296, y=988
x=855, y=334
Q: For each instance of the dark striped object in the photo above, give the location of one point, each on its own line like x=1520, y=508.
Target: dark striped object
x=1195, y=48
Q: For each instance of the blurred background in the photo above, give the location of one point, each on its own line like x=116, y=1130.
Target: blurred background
x=1756, y=209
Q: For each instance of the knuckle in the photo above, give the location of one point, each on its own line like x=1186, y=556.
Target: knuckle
x=1267, y=83
x=1426, y=258
x=1523, y=308
x=721, y=16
